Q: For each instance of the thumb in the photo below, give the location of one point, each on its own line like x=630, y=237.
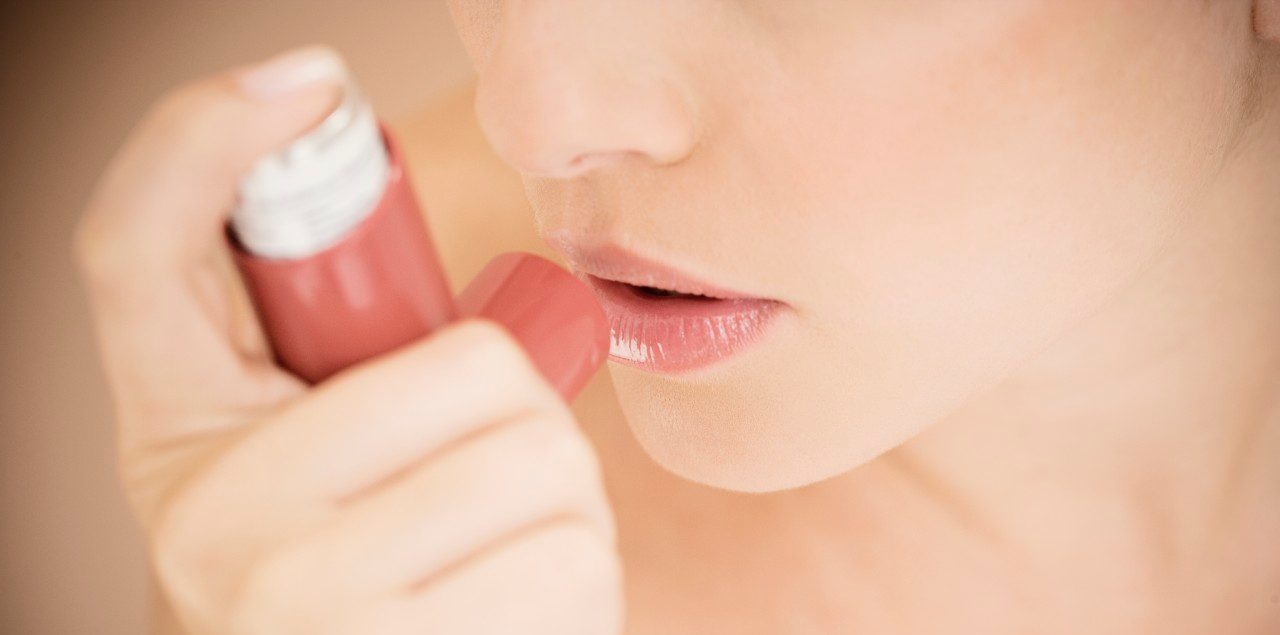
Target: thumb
x=150, y=236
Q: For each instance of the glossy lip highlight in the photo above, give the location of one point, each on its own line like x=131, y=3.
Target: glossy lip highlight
x=699, y=325
x=675, y=334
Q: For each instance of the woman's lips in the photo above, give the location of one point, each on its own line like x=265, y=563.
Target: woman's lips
x=662, y=319
x=669, y=333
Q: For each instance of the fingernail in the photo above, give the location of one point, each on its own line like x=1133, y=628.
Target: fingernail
x=551, y=313
x=292, y=70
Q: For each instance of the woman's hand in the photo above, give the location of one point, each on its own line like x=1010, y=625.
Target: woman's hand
x=443, y=488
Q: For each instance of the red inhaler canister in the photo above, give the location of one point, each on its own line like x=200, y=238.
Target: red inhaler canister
x=334, y=249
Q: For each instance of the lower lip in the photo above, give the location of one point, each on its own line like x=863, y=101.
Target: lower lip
x=674, y=334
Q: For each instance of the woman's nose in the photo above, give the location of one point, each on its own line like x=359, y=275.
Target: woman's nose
x=568, y=87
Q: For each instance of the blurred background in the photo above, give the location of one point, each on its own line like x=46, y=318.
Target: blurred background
x=76, y=76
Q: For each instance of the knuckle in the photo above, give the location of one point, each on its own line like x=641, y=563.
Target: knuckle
x=194, y=541
x=572, y=450
x=184, y=564
x=270, y=588
x=597, y=582
x=489, y=343
x=589, y=573
x=488, y=349
x=557, y=461
x=557, y=448
x=174, y=546
x=599, y=566
x=511, y=455
x=189, y=547
x=295, y=588
x=268, y=579
x=169, y=554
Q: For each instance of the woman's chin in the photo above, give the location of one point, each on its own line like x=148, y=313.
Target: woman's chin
x=753, y=427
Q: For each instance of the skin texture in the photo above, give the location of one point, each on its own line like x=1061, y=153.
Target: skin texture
x=937, y=190
x=1030, y=250
x=402, y=495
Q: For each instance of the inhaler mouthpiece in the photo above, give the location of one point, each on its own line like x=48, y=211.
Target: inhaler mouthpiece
x=305, y=198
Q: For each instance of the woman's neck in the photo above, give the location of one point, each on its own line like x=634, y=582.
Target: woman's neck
x=1138, y=457
x=1126, y=479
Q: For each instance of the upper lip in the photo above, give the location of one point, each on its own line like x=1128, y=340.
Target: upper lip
x=611, y=261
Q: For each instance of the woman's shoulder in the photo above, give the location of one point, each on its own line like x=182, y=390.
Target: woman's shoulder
x=474, y=203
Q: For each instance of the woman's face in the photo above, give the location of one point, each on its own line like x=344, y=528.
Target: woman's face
x=934, y=189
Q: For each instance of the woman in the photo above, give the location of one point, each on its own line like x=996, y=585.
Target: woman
x=1014, y=369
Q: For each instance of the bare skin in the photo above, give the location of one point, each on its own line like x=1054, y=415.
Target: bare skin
x=1090, y=448
x=1176, y=539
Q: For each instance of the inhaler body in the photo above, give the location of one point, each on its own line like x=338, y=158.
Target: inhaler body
x=333, y=247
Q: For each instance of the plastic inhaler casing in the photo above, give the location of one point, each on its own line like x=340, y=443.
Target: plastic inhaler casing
x=333, y=248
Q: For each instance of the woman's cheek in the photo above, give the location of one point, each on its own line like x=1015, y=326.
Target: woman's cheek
x=947, y=216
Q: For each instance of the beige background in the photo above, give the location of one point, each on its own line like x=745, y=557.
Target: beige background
x=76, y=75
